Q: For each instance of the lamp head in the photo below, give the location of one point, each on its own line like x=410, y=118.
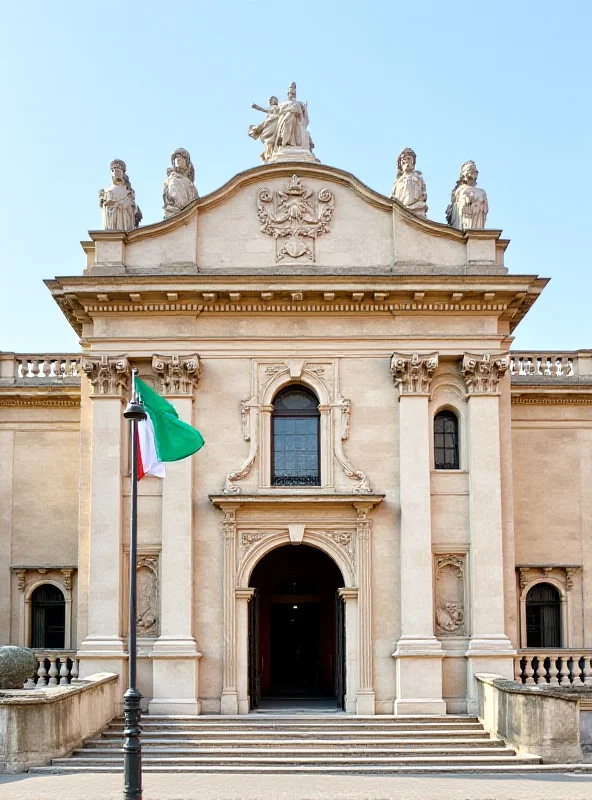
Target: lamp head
x=135, y=411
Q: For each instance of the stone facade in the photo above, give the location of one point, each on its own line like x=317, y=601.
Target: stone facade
x=297, y=273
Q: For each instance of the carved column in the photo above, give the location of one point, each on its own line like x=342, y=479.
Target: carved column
x=418, y=656
x=103, y=649
x=229, y=700
x=490, y=650
x=365, y=697
x=242, y=599
x=352, y=633
x=175, y=653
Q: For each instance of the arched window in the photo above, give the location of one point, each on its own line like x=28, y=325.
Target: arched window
x=543, y=614
x=295, y=453
x=49, y=618
x=446, y=440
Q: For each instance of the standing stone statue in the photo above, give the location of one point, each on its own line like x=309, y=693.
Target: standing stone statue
x=468, y=203
x=179, y=188
x=410, y=188
x=118, y=202
x=266, y=130
x=284, y=132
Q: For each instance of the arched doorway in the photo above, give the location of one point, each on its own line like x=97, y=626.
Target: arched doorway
x=296, y=627
x=543, y=616
x=48, y=628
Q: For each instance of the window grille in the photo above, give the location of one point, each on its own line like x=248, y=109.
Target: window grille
x=295, y=454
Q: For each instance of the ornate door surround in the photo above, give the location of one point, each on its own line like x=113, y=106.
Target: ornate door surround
x=337, y=524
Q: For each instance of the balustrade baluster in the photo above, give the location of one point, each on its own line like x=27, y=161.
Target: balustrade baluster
x=563, y=672
x=587, y=671
x=539, y=671
x=64, y=671
x=553, y=671
x=41, y=673
x=74, y=670
x=518, y=669
x=528, y=671
x=45, y=369
x=53, y=672
x=30, y=682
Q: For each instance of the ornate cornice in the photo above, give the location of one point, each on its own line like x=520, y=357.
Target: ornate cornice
x=563, y=400
x=482, y=372
x=413, y=372
x=179, y=374
x=34, y=402
x=108, y=375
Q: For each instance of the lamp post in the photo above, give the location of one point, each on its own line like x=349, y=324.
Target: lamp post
x=132, y=747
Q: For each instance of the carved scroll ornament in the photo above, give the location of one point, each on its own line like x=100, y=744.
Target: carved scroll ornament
x=413, y=372
x=482, y=372
x=108, y=375
x=179, y=374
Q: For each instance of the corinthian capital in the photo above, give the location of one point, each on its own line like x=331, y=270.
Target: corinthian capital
x=482, y=372
x=413, y=372
x=179, y=374
x=108, y=375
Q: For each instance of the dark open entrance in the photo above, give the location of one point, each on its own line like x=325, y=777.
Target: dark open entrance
x=296, y=629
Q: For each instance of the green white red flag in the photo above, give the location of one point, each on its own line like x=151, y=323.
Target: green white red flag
x=162, y=436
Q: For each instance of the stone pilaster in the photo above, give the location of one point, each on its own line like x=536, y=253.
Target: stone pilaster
x=365, y=695
x=103, y=649
x=229, y=699
x=418, y=656
x=490, y=650
x=175, y=653
x=352, y=633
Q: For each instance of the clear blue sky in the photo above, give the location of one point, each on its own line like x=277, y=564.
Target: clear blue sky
x=507, y=84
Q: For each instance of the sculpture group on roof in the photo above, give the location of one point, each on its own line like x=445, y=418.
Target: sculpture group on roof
x=285, y=138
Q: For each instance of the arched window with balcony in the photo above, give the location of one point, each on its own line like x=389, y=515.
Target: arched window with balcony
x=295, y=448
x=48, y=622
x=543, y=616
x=446, y=450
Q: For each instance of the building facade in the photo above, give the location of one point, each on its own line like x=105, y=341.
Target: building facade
x=389, y=501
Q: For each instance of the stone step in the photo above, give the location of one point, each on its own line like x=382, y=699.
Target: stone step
x=295, y=752
x=259, y=718
x=508, y=756
x=281, y=744
x=422, y=732
x=254, y=728
x=513, y=767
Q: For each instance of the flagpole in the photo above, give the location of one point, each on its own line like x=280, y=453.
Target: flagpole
x=132, y=747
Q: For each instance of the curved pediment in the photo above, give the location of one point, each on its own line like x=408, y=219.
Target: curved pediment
x=296, y=217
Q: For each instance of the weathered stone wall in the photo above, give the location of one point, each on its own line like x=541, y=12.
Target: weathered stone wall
x=41, y=724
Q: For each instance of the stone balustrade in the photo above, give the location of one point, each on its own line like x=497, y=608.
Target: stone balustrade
x=39, y=367
x=566, y=364
x=554, y=667
x=54, y=668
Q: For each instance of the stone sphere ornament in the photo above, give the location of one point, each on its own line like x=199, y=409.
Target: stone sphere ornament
x=17, y=664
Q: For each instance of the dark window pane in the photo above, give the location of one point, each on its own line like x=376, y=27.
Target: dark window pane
x=295, y=448
x=446, y=440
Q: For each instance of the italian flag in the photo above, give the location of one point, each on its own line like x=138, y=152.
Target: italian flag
x=162, y=436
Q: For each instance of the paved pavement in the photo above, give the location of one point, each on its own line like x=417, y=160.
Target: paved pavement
x=300, y=787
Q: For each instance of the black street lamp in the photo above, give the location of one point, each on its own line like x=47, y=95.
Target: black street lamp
x=132, y=747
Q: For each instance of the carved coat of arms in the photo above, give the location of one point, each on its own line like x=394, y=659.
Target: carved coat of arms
x=295, y=217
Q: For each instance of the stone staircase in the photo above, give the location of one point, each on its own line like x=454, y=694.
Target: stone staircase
x=303, y=744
